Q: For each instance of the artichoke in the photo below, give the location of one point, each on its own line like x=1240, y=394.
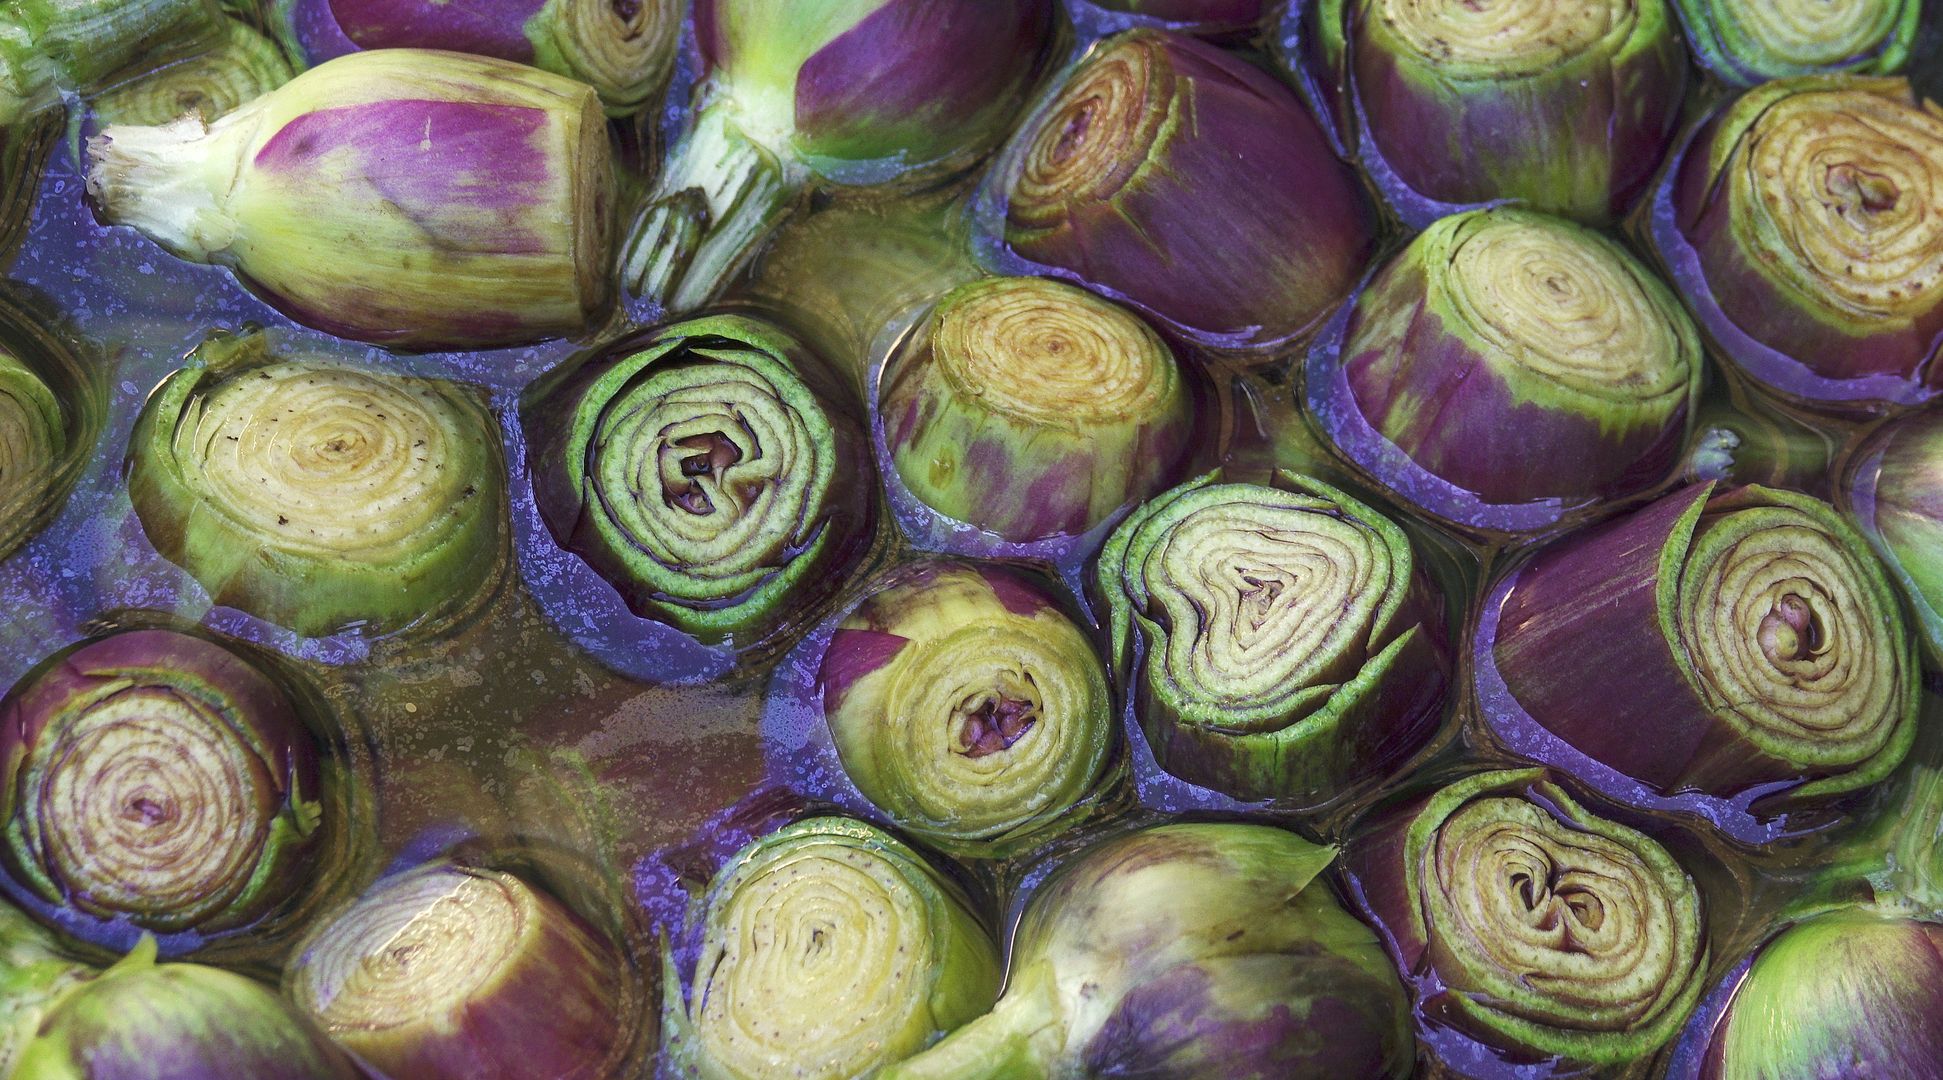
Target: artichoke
x=969, y=709
x=829, y=950
x=1742, y=644
x=177, y=1022
x=51, y=47
x=697, y=470
x=1186, y=950
x=1532, y=924
x=1282, y=640
x=1743, y=42
x=406, y=197
x=455, y=972
x=845, y=92
x=1802, y=226
x=1892, y=489
x=242, y=67
x=33, y=442
x=319, y=496
x=158, y=782
x=34, y=975
x=1566, y=106
x=1508, y=368
x=1034, y=409
x=1191, y=184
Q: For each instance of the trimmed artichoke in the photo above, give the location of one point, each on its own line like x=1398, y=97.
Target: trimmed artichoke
x=969, y=709
x=1532, y=924
x=1034, y=409
x=319, y=496
x=1186, y=951
x=33, y=442
x=51, y=47
x=1509, y=368
x=1804, y=227
x=1191, y=184
x=452, y=972
x=697, y=471
x=405, y=197
x=1283, y=641
x=845, y=92
x=1743, y=42
x=242, y=67
x=829, y=950
x=156, y=782
x=1737, y=643
x=1891, y=486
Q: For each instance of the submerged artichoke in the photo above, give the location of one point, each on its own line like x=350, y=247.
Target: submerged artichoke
x=1032, y=408
x=698, y=472
x=33, y=440
x=319, y=496
x=1192, y=184
x=1727, y=642
x=48, y=47
x=1508, y=368
x=1848, y=993
x=1805, y=228
x=969, y=708
x=849, y=92
x=241, y=67
x=1566, y=106
x=624, y=49
x=451, y=972
x=34, y=975
x=829, y=950
x=1892, y=488
x=405, y=197
x=1282, y=641
x=1743, y=42
x=1187, y=951
x=155, y=1021
x=159, y=782
x=1531, y=924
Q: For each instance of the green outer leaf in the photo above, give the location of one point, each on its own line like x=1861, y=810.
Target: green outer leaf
x=34, y=977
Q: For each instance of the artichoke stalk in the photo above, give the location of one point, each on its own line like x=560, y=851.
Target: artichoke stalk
x=1733, y=643
x=1566, y=107
x=842, y=92
x=624, y=49
x=829, y=950
x=1738, y=440
x=177, y=1022
x=1189, y=183
x=1848, y=993
x=1802, y=226
x=1032, y=409
x=51, y=47
x=969, y=709
x=454, y=972
x=318, y=496
x=160, y=782
x=1186, y=950
x=1891, y=487
x=1282, y=640
x=1743, y=42
x=1532, y=924
x=404, y=197
x=33, y=442
x=1575, y=362
x=697, y=470
x=240, y=68
x=34, y=975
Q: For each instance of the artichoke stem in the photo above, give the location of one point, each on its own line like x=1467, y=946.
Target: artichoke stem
x=1018, y=1040
x=154, y=179
x=720, y=192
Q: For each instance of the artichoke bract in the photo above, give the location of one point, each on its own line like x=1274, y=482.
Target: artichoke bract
x=1743, y=42
x=404, y=197
x=1741, y=644
x=177, y=1022
x=699, y=473
x=969, y=708
x=1848, y=993
x=1532, y=924
x=33, y=440
x=846, y=92
x=1802, y=226
x=50, y=47
x=1282, y=642
x=1191, y=184
x=318, y=496
x=830, y=949
x=157, y=782
x=1891, y=487
x=455, y=972
x=1032, y=408
x=622, y=48
x=34, y=975
x=1187, y=950
x=1567, y=107
x=1508, y=368
x=241, y=67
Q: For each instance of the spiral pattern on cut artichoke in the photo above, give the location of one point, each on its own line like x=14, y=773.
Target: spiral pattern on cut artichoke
x=622, y=48
x=32, y=437
x=1805, y=34
x=1095, y=136
x=1507, y=38
x=244, y=66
